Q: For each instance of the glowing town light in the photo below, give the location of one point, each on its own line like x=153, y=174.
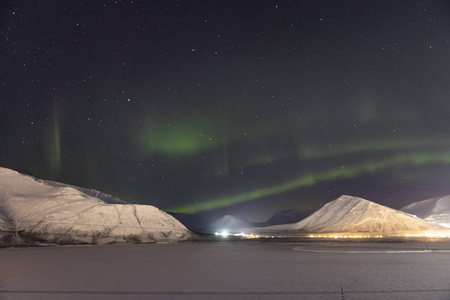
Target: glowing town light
x=226, y=234
x=428, y=234
x=241, y=234
x=343, y=236
x=223, y=234
x=431, y=234
x=251, y=236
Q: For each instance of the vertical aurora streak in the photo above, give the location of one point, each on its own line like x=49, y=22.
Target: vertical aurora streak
x=55, y=145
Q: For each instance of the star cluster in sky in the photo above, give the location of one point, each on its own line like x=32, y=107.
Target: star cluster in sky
x=249, y=107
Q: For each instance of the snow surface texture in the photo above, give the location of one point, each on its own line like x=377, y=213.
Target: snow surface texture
x=36, y=211
x=228, y=271
x=349, y=214
x=436, y=210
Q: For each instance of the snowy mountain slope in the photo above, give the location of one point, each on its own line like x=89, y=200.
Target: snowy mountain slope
x=349, y=214
x=227, y=223
x=90, y=192
x=42, y=212
x=435, y=210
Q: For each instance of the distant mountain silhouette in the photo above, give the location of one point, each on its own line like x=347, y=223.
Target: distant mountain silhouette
x=286, y=217
x=435, y=210
x=228, y=223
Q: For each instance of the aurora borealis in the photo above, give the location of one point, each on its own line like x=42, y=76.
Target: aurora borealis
x=246, y=107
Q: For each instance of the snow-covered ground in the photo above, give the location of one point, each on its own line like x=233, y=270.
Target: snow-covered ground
x=242, y=270
x=34, y=210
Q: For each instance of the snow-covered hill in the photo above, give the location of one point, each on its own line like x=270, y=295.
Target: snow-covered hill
x=38, y=211
x=349, y=214
x=436, y=210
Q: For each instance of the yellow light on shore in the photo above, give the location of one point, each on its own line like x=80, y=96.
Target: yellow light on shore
x=368, y=236
x=343, y=236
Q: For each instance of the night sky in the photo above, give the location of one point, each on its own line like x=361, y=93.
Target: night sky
x=243, y=107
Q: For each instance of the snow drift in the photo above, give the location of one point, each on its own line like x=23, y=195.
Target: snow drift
x=33, y=210
x=349, y=214
x=435, y=210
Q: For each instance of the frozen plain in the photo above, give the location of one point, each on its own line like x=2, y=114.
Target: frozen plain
x=228, y=270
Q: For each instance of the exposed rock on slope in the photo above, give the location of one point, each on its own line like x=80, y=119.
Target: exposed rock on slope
x=7, y=232
x=37, y=211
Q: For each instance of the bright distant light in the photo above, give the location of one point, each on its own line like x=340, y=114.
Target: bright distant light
x=344, y=236
x=240, y=234
x=251, y=236
x=430, y=234
x=226, y=234
x=223, y=234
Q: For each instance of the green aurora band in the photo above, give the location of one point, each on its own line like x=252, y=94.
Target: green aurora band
x=371, y=146
x=313, y=178
x=182, y=137
x=189, y=135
